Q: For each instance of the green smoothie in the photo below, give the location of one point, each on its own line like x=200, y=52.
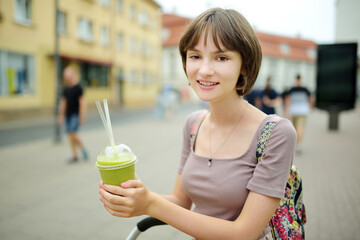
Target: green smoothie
x=116, y=166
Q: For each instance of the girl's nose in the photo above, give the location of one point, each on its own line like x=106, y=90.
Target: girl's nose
x=206, y=68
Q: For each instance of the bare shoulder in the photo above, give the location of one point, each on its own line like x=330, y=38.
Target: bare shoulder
x=254, y=116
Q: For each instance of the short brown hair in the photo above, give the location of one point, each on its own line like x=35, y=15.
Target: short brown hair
x=230, y=28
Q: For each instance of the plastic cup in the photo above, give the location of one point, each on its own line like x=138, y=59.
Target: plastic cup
x=116, y=169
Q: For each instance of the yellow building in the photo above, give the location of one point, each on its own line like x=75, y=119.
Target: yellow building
x=115, y=44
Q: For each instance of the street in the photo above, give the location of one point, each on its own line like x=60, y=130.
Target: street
x=42, y=197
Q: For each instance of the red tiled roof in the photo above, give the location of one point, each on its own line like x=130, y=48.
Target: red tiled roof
x=271, y=44
x=298, y=48
x=176, y=26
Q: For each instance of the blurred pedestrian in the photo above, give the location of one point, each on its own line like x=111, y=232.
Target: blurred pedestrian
x=159, y=110
x=298, y=103
x=283, y=105
x=254, y=98
x=234, y=195
x=167, y=102
x=72, y=108
x=269, y=98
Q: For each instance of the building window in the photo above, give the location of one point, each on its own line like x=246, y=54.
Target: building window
x=133, y=44
x=105, y=3
x=61, y=22
x=144, y=78
x=143, y=48
x=104, y=36
x=311, y=53
x=120, y=6
x=23, y=11
x=133, y=77
x=132, y=12
x=120, y=41
x=165, y=34
x=172, y=60
x=94, y=75
x=17, y=74
x=143, y=18
x=284, y=49
x=85, y=30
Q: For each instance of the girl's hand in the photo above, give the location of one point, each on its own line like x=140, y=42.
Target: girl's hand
x=129, y=200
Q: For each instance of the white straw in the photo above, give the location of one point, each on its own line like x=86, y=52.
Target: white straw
x=101, y=112
x=109, y=123
x=106, y=124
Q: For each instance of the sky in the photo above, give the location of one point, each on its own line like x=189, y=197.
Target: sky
x=310, y=19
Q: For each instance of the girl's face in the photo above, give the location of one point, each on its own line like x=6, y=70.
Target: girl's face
x=213, y=74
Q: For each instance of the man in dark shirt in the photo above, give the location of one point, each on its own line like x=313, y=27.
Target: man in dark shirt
x=254, y=98
x=72, y=106
x=270, y=98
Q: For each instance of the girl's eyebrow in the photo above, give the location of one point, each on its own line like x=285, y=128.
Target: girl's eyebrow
x=193, y=49
x=216, y=52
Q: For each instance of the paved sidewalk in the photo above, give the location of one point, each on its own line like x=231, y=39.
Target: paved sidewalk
x=44, y=198
x=330, y=166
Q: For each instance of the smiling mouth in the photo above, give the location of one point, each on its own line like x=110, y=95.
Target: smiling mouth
x=208, y=84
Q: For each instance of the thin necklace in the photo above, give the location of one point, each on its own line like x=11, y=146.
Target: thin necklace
x=231, y=132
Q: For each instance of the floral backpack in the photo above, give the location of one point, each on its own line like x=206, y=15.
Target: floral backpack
x=290, y=216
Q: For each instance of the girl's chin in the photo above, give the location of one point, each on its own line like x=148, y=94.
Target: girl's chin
x=205, y=98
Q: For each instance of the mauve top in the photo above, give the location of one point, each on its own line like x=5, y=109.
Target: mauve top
x=221, y=189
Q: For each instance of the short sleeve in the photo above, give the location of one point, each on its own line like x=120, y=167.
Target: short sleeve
x=274, y=94
x=271, y=174
x=80, y=91
x=186, y=148
x=64, y=93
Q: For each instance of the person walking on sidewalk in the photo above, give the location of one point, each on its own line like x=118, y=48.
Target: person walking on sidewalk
x=298, y=103
x=73, y=107
x=270, y=98
x=234, y=195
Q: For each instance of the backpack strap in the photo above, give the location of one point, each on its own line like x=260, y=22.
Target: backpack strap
x=195, y=125
x=264, y=136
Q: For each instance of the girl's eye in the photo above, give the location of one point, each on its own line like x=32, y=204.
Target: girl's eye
x=194, y=57
x=222, y=58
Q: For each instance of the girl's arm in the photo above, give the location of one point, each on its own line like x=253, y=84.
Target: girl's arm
x=178, y=195
x=134, y=199
x=61, y=111
x=82, y=109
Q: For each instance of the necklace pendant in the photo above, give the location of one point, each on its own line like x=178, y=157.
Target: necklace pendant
x=209, y=162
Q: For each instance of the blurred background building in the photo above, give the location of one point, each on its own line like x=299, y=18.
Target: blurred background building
x=114, y=44
x=126, y=51
x=172, y=69
x=347, y=27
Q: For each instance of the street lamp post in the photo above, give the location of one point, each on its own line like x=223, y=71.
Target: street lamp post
x=57, y=138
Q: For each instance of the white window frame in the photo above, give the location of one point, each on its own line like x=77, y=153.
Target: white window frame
x=144, y=78
x=104, y=37
x=22, y=11
x=11, y=61
x=120, y=6
x=120, y=41
x=285, y=49
x=105, y=3
x=132, y=12
x=85, y=31
x=133, y=76
x=311, y=52
x=61, y=22
x=143, y=48
x=143, y=18
x=133, y=45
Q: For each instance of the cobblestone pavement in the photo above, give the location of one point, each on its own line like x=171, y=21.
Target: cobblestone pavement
x=42, y=197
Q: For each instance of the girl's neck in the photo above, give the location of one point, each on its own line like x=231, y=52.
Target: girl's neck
x=227, y=112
